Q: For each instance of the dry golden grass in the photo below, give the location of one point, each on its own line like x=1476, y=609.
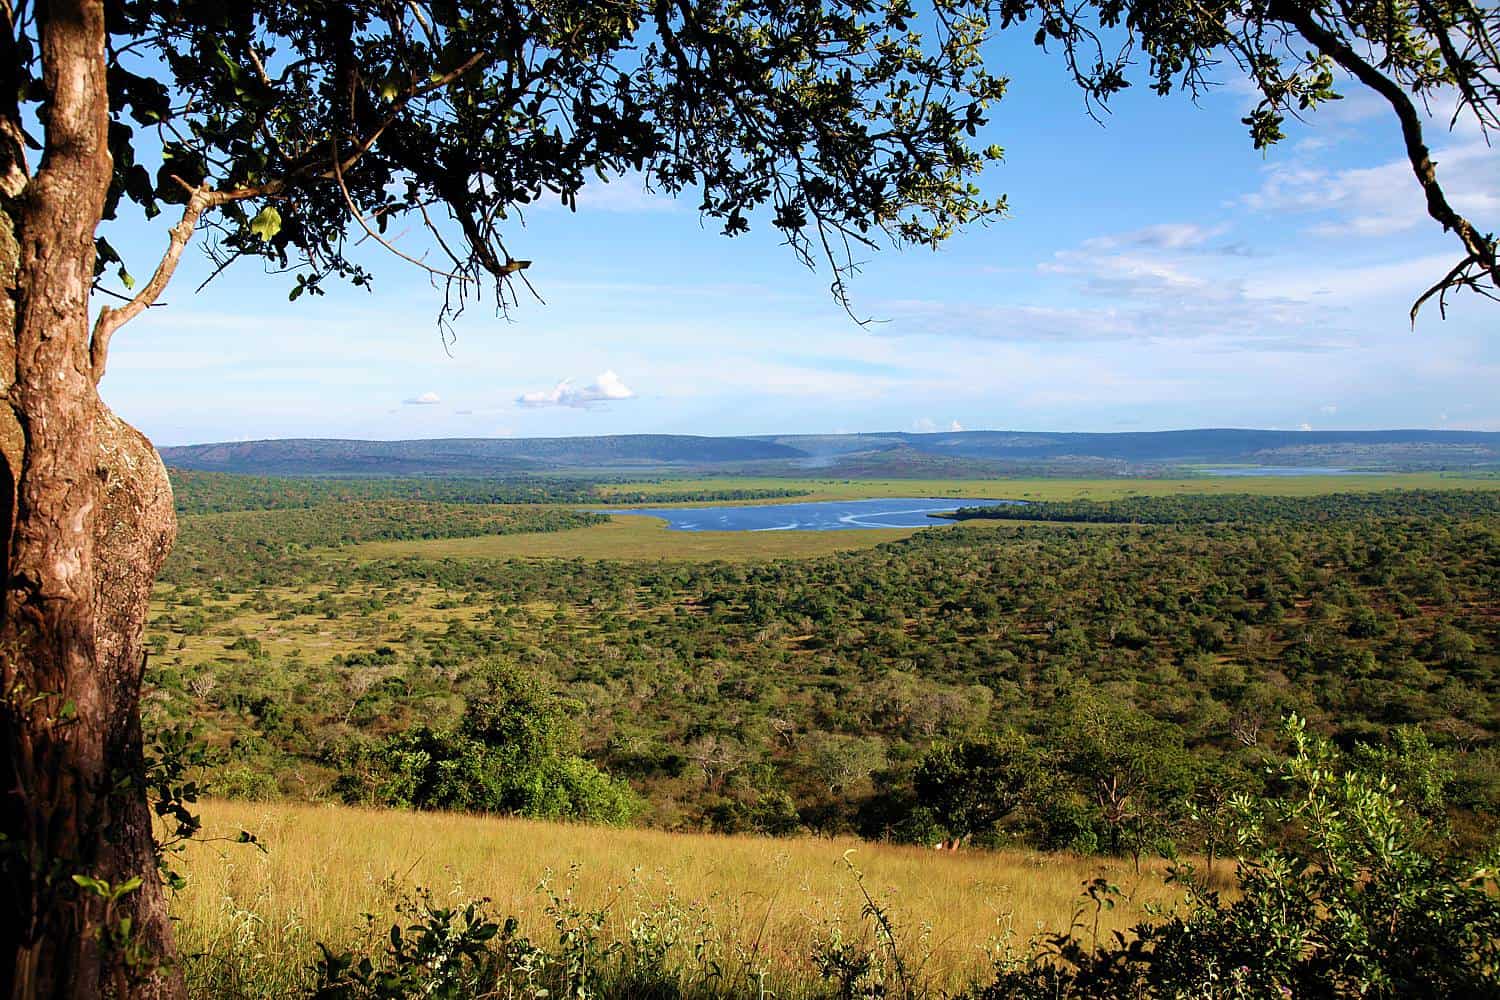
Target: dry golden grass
x=325, y=866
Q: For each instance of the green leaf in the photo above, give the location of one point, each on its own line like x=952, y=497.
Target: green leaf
x=266, y=224
x=94, y=885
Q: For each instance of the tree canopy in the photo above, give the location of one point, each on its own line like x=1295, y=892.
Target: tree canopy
x=287, y=128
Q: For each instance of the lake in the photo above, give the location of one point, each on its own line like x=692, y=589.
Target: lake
x=823, y=515
x=1284, y=471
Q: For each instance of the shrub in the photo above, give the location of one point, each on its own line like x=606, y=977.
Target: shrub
x=1342, y=892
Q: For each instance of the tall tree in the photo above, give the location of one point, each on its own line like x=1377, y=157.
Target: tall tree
x=285, y=129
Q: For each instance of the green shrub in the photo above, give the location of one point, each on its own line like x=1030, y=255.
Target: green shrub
x=1343, y=891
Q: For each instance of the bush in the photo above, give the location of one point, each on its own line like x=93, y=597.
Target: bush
x=1343, y=891
x=515, y=751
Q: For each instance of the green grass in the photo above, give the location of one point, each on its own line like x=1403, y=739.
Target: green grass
x=642, y=538
x=636, y=539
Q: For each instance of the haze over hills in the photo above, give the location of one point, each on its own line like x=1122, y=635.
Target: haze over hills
x=949, y=454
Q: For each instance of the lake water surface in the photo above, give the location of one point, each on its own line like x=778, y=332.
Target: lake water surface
x=824, y=515
x=1280, y=471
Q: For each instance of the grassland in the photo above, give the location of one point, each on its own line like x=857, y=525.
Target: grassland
x=638, y=538
x=256, y=917
x=641, y=538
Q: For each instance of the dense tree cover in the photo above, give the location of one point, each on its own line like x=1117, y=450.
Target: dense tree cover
x=219, y=492
x=515, y=750
x=1247, y=508
x=1100, y=687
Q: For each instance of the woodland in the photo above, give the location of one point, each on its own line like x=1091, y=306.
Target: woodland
x=291, y=134
x=1098, y=684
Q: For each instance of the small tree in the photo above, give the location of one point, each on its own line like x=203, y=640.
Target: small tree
x=516, y=751
x=970, y=786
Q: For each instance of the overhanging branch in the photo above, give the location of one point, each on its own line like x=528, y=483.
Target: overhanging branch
x=1480, y=261
x=111, y=319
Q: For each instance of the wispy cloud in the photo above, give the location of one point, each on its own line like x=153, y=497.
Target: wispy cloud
x=425, y=399
x=1383, y=199
x=1159, y=283
x=607, y=387
x=1162, y=236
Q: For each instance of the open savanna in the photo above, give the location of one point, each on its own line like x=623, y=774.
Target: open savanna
x=631, y=537
x=636, y=537
x=254, y=918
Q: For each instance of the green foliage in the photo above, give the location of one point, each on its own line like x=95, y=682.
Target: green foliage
x=835, y=123
x=668, y=952
x=240, y=542
x=1341, y=892
x=198, y=492
x=444, y=953
x=1248, y=508
x=796, y=695
x=968, y=787
x=515, y=751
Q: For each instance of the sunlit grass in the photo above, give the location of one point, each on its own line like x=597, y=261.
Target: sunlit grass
x=637, y=538
x=259, y=915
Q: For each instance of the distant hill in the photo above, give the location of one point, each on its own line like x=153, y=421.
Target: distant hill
x=472, y=456
x=940, y=455
x=1188, y=447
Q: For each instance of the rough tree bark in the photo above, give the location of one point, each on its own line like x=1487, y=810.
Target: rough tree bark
x=88, y=515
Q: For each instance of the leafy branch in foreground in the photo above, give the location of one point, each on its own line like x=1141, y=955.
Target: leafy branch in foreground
x=1342, y=891
x=1409, y=53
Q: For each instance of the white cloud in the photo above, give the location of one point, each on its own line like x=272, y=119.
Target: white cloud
x=926, y=425
x=426, y=399
x=1383, y=199
x=606, y=387
x=1304, y=427
x=1328, y=408
x=623, y=195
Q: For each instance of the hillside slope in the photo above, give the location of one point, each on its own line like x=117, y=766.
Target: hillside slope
x=471, y=456
x=958, y=453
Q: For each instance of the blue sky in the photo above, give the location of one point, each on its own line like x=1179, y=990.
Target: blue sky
x=1154, y=273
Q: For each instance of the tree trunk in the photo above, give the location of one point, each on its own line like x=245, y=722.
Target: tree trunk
x=89, y=518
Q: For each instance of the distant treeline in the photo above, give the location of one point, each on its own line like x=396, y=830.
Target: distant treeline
x=219, y=492
x=1248, y=508
x=233, y=543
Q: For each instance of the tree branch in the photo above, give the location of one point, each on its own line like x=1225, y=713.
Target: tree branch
x=203, y=198
x=111, y=319
x=1480, y=250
